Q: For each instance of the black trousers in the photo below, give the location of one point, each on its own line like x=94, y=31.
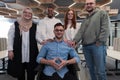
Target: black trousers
x=30, y=72
x=68, y=76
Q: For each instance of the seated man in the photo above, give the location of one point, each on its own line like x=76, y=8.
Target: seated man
x=55, y=57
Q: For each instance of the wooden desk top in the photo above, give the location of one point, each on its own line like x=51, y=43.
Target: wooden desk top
x=113, y=54
x=3, y=54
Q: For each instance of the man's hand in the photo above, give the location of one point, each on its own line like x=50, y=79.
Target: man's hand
x=98, y=43
x=57, y=63
x=45, y=41
x=70, y=43
x=53, y=63
x=62, y=64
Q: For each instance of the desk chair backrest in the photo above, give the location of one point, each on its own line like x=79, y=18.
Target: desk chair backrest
x=3, y=44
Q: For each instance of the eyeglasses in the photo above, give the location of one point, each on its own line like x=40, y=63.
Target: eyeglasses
x=59, y=30
x=91, y=3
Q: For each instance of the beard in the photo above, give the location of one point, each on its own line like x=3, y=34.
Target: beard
x=61, y=37
x=90, y=10
x=50, y=16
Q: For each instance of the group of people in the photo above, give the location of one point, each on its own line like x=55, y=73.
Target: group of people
x=58, y=42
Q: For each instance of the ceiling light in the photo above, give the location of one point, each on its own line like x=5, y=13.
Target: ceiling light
x=72, y=5
x=57, y=13
x=106, y=3
x=37, y=1
x=11, y=8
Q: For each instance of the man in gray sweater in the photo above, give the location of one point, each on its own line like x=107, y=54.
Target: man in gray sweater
x=94, y=32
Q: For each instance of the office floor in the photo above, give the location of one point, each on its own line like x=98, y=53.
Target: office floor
x=110, y=65
x=111, y=75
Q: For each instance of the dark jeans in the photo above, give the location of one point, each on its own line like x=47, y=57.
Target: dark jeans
x=68, y=76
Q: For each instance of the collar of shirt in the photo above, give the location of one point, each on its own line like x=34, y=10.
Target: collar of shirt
x=58, y=41
x=94, y=11
x=49, y=18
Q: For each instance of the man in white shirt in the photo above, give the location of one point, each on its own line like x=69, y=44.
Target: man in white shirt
x=46, y=26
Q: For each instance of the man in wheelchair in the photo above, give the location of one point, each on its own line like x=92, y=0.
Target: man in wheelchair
x=54, y=55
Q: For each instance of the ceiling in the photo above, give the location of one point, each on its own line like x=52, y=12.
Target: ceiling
x=13, y=8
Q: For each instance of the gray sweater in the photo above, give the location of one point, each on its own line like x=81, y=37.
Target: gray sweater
x=94, y=28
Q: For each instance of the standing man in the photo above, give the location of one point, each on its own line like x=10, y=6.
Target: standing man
x=94, y=32
x=55, y=57
x=46, y=26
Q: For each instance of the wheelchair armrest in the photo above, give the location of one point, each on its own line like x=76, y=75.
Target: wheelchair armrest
x=40, y=67
x=73, y=67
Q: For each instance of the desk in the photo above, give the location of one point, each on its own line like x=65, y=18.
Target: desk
x=3, y=55
x=115, y=55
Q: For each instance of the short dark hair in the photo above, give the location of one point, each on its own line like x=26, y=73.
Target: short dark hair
x=58, y=24
x=51, y=6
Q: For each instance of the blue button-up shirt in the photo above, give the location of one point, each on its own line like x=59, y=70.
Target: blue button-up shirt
x=53, y=50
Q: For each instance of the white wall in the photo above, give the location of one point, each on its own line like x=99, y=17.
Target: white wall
x=4, y=26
